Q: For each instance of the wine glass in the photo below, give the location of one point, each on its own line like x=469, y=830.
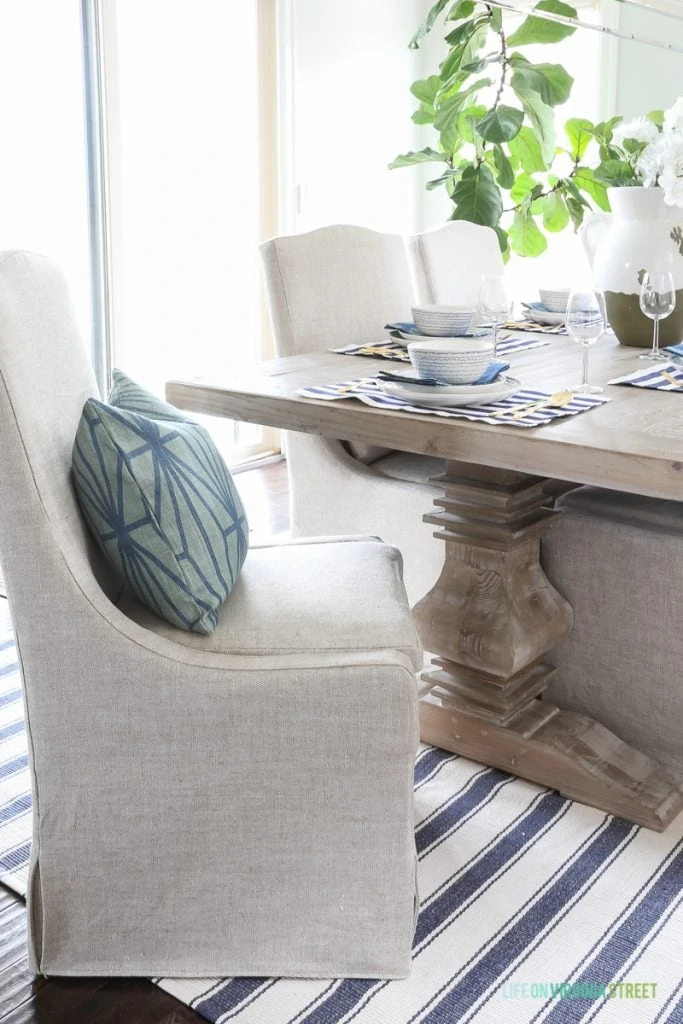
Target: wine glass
x=585, y=323
x=657, y=301
x=494, y=304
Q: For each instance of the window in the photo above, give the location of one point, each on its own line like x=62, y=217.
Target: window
x=185, y=114
x=43, y=173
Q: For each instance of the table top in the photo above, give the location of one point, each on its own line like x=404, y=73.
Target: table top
x=633, y=443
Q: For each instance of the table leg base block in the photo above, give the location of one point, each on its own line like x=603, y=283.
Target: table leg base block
x=565, y=751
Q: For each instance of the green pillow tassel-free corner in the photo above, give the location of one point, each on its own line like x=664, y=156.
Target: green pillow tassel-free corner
x=161, y=503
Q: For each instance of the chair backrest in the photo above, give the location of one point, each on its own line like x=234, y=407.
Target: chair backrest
x=45, y=377
x=336, y=285
x=448, y=262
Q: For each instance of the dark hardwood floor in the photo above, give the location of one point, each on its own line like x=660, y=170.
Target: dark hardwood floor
x=26, y=998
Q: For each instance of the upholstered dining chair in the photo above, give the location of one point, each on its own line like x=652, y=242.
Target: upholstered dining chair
x=230, y=804
x=339, y=285
x=448, y=262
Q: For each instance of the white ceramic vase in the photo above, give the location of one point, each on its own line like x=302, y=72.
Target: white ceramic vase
x=641, y=234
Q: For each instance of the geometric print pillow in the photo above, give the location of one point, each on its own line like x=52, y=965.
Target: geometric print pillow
x=160, y=502
x=127, y=394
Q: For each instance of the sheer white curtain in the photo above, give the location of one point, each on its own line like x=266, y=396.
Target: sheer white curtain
x=185, y=114
x=43, y=170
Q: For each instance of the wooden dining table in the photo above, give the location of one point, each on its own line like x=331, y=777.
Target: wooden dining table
x=492, y=619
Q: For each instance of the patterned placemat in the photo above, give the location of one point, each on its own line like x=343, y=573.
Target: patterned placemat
x=532, y=325
x=367, y=390
x=659, y=376
x=391, y=349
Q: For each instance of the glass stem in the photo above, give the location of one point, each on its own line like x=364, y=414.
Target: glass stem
x=655, y=338
x=585, y=366
x=495, y=340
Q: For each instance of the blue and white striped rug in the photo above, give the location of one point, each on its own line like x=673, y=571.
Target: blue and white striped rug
x=531, y=907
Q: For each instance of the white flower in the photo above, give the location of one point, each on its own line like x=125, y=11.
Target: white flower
x=641, y=129
x=650, y=163
x=671, y=177
x=673, y=118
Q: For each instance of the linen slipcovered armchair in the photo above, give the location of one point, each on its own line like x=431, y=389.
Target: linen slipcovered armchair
x=238, y=803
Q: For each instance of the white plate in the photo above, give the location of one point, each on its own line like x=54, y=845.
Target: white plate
x=544, y=317
x=452, y=396
x=477, y=332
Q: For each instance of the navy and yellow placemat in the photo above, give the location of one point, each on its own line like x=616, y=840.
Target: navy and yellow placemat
x=391, y=349
x=659, y=376
x=367, y=390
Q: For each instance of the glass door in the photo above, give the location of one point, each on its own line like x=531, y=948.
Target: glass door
x=44, y=197
x=188, y=112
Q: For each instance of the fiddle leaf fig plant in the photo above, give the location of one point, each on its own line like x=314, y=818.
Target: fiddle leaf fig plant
x=499, y=153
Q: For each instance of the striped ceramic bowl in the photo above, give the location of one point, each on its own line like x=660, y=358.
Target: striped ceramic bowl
x=554, y=299
x=452, y=360
x=443, y=321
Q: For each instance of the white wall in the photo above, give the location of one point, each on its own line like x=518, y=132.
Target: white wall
x=580, y=54
x=351, y=77
x=647, y=77
x=44, y=197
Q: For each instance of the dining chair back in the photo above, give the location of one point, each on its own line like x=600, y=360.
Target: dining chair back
x=335, y=284
x=448, y=262
x=339, y=285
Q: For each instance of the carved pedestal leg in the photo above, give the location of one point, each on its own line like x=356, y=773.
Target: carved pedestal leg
x=490, y=620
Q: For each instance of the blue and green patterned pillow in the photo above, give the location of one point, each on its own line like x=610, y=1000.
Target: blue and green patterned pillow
x=160, y=501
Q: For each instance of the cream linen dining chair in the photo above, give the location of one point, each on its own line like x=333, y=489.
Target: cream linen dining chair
x=448, y=262
x=339, y=285
x=231, y=804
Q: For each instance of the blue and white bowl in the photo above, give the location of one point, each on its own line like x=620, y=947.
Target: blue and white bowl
x=554, y=299
x=443, y=321
x=452, y=360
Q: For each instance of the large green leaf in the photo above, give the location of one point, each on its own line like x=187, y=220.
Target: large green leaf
x=482, y=62
x=571, y=188
x=525, y=236
x=422, y=156
x=461, y=9
x=540, y=114
x=500, y=124
x=526, y=150
x=555, y=212
x=425, y=89
x=477, y=197
x=467, y=120
x=503, y=242
x=552, y=83
x=576, y=212
x=504, y=171
x=615, y=172
x=541, y=30
x=579, y=132
x=523, y=186
x=584, y=178
x=428, y=24
x=465, y=42
x=604, y=131
x=460, y=35
x=443, y=179
x=422, y=116
x=449, y=110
